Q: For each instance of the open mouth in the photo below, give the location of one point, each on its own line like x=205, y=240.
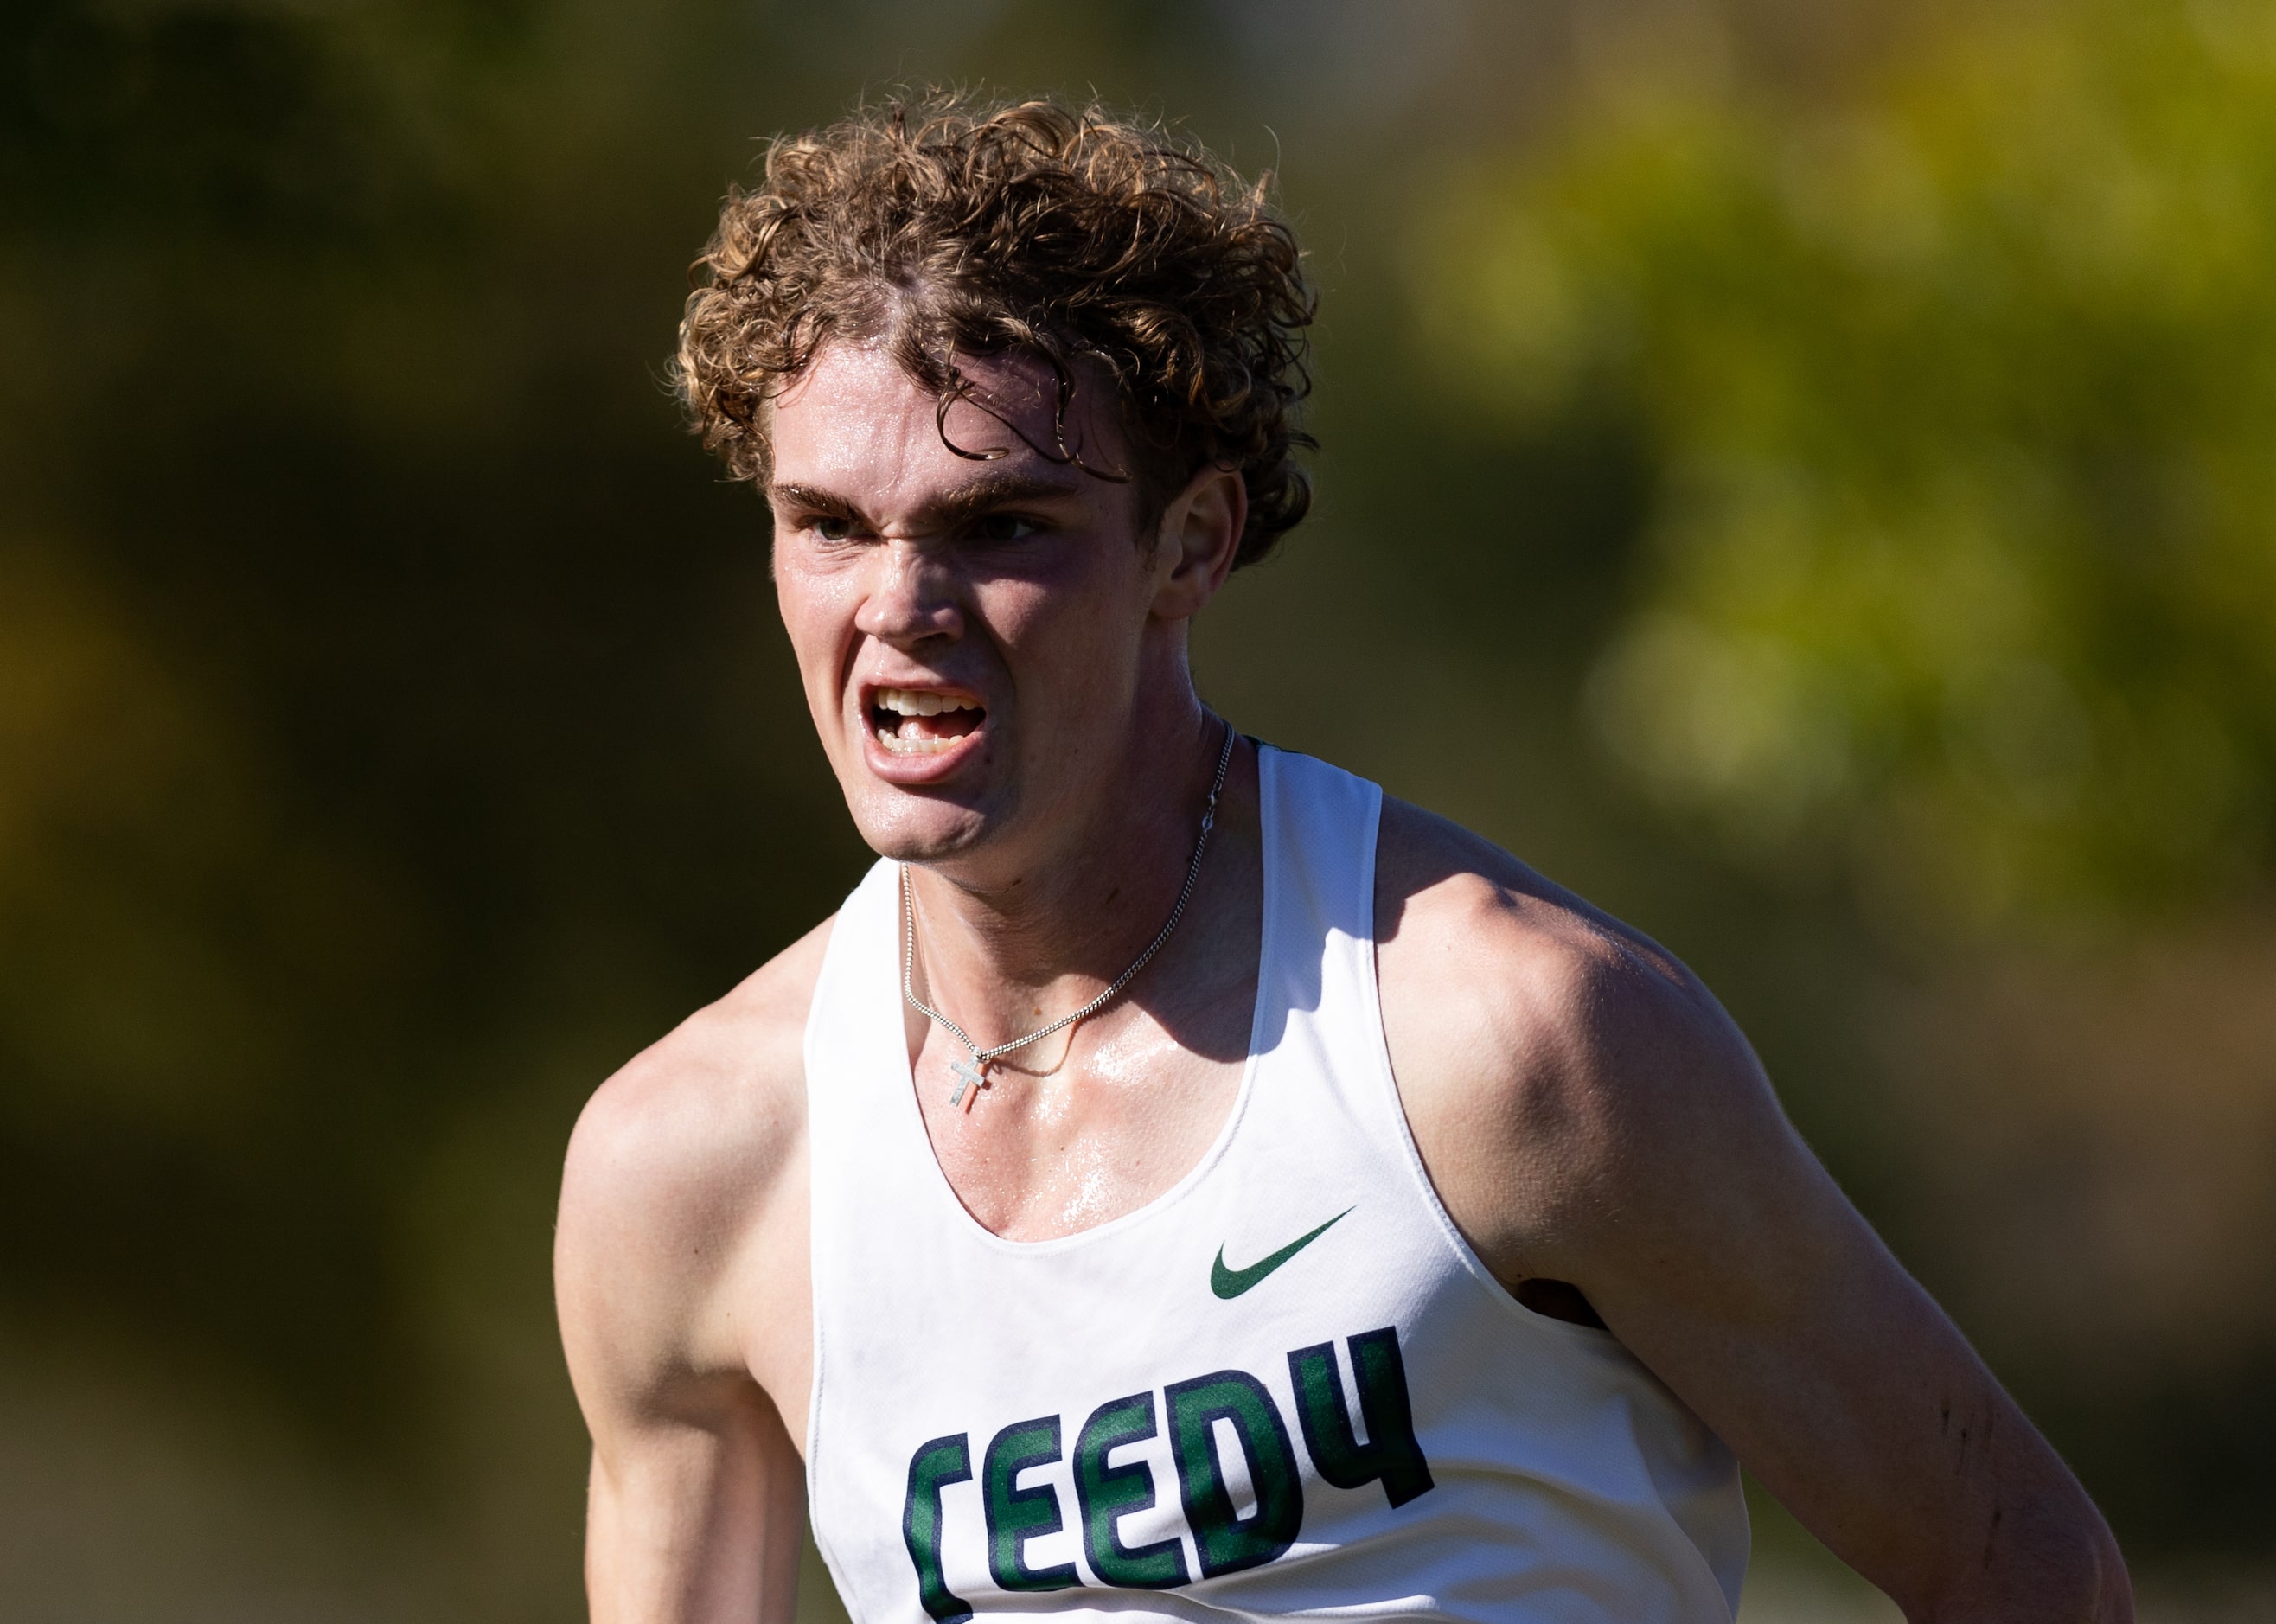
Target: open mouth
x=921, y=721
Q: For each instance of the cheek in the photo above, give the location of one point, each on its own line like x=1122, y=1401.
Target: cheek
x=1017, y=615
x=815, y=602
x=817, y=609
x=1080, y=630
x=1051, y=633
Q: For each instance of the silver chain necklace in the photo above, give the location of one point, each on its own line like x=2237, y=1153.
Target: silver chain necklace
x=972, y=1075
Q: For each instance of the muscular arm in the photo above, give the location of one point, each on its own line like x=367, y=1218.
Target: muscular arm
x=1623, y=1138
x=681, y=1278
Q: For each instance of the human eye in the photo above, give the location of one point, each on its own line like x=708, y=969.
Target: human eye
x=1001, y=528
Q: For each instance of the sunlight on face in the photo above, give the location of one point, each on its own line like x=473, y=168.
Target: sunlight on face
x=968, y=629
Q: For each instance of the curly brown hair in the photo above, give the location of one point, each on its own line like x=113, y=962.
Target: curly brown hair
x=947, y=225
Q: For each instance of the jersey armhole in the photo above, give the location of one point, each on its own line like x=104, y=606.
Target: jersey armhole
x=1386, y=1079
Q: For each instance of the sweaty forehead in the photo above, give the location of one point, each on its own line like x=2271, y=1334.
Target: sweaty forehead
x=854, y=423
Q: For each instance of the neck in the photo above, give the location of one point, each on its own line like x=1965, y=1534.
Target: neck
x=1008, y=940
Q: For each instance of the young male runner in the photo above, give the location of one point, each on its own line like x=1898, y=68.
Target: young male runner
x=1390, y=1234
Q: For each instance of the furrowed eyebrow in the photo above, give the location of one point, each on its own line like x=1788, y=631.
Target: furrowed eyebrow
x=975, y=497
x=993, y=491
x=808, y=496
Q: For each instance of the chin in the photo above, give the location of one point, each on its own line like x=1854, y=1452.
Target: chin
x=911, y=827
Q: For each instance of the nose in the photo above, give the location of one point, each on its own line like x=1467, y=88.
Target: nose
x=913, y=599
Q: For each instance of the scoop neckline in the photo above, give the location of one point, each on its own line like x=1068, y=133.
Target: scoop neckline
x=912, y=1114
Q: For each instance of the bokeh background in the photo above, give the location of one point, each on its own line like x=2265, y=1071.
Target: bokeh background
x=1803, y=475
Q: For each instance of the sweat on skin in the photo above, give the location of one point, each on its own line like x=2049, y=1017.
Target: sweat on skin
x=1583, y=1110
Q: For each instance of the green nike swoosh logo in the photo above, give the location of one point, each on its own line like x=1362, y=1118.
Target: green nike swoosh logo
x=1230, y=1283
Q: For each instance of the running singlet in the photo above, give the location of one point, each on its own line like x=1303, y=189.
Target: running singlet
x=1285, y=1387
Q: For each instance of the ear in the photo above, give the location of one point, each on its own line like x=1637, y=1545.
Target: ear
x=1200, y=532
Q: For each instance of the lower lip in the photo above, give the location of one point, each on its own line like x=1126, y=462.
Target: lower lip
x=930, y=767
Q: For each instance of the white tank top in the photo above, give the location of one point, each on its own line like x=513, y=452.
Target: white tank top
x=1285, y=1387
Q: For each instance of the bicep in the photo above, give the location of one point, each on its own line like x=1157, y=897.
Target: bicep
x=696, y=1489
x=1800, y=1340
x=694, y=1517
x=1743, y=1277
x=696, y=1496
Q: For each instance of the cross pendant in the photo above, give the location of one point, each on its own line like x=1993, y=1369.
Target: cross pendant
x=971, y=1077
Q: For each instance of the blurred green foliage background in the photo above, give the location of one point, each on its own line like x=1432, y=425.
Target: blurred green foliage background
x=1800, y=475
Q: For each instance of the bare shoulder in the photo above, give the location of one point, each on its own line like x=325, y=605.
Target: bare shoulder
x=714, y=1102
x=683, y=1203
x=1594, y=1125
x=1566, y=1078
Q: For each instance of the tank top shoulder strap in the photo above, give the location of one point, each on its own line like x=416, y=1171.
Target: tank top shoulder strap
x=854, y=1051
x=1320, y=1000
x=1320, y=825
x=871, y=1173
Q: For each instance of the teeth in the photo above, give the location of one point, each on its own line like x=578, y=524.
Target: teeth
x=912, y=702
x=900, y=746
